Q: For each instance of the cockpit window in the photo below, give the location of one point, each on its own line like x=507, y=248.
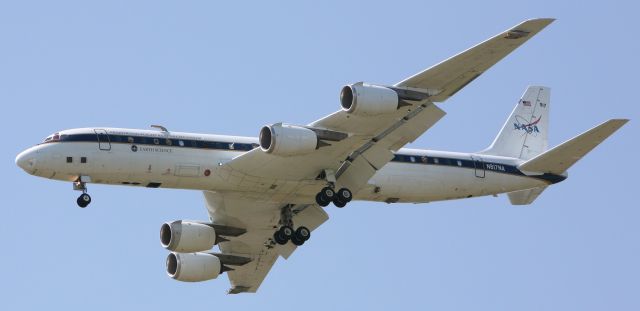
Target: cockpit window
x=53, y=137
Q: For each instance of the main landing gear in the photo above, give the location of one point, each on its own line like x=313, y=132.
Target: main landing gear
x=84, y=199
x=339, y=198
x=328, y=194
x=286, y=233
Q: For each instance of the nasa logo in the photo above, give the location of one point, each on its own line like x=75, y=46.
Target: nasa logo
x=134, y=148
x=529, y=127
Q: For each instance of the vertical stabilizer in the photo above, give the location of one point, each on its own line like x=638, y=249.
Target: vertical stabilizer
x=524, y=135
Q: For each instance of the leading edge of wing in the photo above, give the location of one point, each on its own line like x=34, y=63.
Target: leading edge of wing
x=454, y=73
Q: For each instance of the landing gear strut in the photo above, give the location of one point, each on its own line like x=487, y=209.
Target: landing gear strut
x=286, y=233
x=84, y=199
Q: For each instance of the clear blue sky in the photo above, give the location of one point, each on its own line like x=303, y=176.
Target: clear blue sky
x=229, y=67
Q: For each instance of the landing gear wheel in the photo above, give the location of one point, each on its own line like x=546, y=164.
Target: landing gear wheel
x=338, y=202
x=302, y=233
x=345, y=195
x=325, y=196
x=277, y=236
x=286, y=232
x=328, y=193
x=296, y=241
x=320, y=199
x=283, y=235
x=83, y=200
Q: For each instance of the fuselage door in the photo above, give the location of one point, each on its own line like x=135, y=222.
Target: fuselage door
x=478, y=165
x=104, y=143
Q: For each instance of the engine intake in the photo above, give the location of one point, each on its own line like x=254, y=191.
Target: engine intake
x=287, y=140
x=367, y=99
x=193, y=267
x=187, y=237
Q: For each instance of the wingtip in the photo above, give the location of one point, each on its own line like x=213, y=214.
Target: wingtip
x=622, y=121
x=546, y=20
x=534, y=25
x=615, y=123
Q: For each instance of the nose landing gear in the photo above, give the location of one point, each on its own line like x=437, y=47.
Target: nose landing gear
x=84, y=200
x=81, y=184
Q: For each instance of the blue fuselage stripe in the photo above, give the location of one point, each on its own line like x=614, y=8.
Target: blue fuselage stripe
x=232, y=146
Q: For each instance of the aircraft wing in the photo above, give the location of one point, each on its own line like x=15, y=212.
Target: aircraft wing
x=371, y=139
x=357, y=146
x=451, y=75
x=259, y=216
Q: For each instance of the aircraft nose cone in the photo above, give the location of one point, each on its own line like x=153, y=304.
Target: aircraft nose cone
x=25, y=161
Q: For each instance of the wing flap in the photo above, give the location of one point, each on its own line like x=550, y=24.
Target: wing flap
x=451, y=75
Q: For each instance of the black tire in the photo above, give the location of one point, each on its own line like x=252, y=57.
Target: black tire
x=277, y=236
x=321, y=200
x=303, y=233
x=85, y=197
x=83, y=200
x=296, y=241
x=328, y=193
x=286, y=232
x=339, y=203
x=345, y=195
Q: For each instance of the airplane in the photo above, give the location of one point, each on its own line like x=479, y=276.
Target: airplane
x=266, y=195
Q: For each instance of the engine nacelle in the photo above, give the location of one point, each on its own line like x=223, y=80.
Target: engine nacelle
x=367, y=99
x=287, y=140
x=193, y=267
x=187, y=237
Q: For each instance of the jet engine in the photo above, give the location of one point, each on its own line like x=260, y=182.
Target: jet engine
x=187, y=237
x=367, y=99
x=193, y=267
x=287, y=140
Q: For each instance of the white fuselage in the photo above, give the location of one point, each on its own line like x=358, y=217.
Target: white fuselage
x=193, y=161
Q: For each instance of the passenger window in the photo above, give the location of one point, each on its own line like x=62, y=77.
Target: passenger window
x=69, y=159
x=83, y=159
x=156, y=141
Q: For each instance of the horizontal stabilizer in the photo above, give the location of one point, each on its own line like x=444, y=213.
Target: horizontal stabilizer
x=525, y=197
x=558, y=159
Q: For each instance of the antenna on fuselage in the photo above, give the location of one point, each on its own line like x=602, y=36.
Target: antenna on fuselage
x=160, y=127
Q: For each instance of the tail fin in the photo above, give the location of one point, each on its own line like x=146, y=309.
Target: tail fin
x=524, y=135
x=563, y=156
